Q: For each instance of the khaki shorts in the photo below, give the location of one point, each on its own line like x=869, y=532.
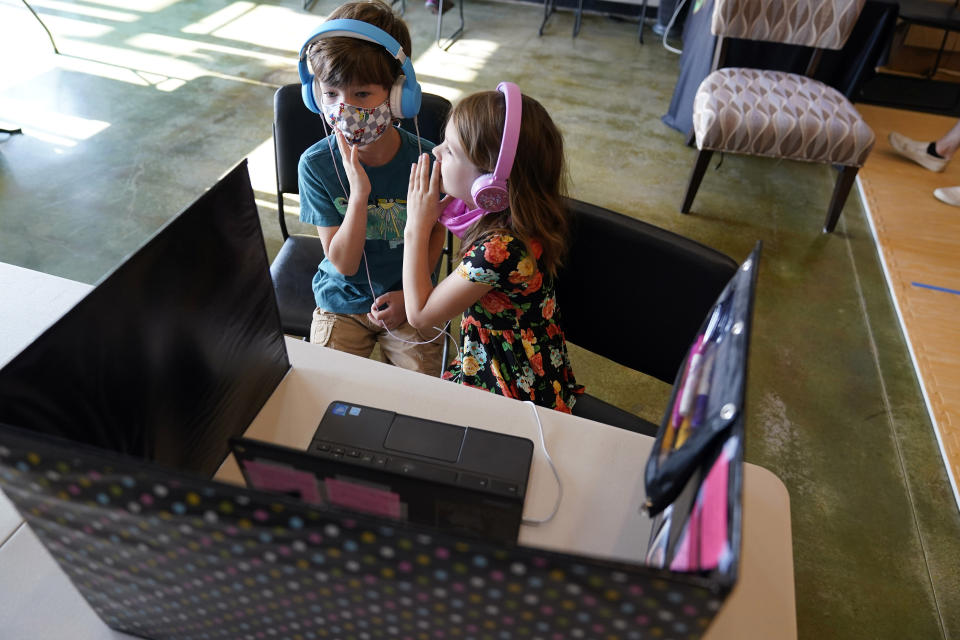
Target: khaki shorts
x=355, y=333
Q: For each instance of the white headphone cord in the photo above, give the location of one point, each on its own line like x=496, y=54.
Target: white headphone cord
x=546, y=454
x=442, y=331
x=366, y=264
x=669, y=26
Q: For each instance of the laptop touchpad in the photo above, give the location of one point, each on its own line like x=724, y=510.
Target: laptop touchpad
x=425, y=438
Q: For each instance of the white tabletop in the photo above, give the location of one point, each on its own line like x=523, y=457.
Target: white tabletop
x=601, y=472
x=600, y=466
x=30, y=302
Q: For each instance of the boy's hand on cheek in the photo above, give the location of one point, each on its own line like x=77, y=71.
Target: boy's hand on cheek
x=388, y=310
x=356, y=176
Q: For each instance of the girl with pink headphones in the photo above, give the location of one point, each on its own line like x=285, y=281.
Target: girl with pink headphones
x=502, y=169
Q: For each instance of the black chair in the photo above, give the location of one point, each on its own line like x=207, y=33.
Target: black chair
x=295, y=128
x=655, y=285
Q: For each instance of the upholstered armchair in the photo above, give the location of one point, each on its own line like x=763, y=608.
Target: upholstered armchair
x=778, y=114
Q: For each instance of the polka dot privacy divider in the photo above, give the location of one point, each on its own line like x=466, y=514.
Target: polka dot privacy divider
x=161, y=554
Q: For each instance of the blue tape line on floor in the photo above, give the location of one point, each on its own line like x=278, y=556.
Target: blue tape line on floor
x=930, y=286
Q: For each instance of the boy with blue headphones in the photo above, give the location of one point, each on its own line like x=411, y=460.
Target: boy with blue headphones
x=356, y=73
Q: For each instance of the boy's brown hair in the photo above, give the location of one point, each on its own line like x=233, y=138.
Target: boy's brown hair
x=343, y=61
x=538, y=179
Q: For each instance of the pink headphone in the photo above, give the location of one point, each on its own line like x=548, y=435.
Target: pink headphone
x=489, y=191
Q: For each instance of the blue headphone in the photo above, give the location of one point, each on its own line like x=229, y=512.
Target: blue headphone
x=405, y=93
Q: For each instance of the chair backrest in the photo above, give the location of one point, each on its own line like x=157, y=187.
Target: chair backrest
x=635, y=293
x=432, y=118
x=821, y=24
x=295, y=128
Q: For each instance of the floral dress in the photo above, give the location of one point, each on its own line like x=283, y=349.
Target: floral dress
x=512, y=343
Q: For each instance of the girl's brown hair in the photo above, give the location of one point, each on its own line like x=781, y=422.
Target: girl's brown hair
x=537, y=181
x=344, y=61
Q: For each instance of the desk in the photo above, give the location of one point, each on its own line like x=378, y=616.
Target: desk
x=600, y=466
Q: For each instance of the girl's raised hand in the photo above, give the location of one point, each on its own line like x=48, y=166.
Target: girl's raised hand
x=423, y=196
x=356, y=176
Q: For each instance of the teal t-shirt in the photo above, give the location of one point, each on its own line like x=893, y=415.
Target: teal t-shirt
x=323, y=203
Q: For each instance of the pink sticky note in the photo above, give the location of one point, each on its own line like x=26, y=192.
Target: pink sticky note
x=683, y=558
x=361, y=497
x=713, y=496
x=283, y=479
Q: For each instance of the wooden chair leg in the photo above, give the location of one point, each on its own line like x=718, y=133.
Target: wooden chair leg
x=703, y=160
x=840, y=192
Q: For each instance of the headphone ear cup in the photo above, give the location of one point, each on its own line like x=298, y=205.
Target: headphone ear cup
x=396, y=99
x=404, y=99
x=490, y=194
x=308, y=91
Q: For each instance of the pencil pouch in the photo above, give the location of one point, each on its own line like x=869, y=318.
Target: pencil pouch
x=708, y=393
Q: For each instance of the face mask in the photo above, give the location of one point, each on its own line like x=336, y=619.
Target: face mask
x=457, y=218
x=359, y=126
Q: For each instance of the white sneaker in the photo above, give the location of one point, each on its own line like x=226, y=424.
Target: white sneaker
x=916, y=151
x=950, y=195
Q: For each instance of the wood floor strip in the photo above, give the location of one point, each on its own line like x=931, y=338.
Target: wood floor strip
x=918, y=238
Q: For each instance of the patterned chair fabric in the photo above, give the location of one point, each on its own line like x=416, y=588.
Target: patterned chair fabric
x=780, y=115
x=824, y=24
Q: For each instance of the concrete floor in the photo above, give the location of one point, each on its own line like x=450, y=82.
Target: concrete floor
x=154, y=99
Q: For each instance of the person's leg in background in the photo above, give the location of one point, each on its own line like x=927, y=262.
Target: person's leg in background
x=433, y=5
x=947, y=145
x=933, y=155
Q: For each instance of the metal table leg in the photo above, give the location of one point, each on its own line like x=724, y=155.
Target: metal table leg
x=576, y=19
x=643, y=19
x=456, y=34
x=549, y=6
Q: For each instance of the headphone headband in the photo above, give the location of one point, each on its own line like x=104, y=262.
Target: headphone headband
x=406, y=102
x=511, y=130
x=490, y=191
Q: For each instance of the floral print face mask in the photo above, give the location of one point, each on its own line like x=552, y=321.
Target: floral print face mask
x=359, y=126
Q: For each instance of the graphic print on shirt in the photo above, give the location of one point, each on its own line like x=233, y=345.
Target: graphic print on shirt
x=385, y=219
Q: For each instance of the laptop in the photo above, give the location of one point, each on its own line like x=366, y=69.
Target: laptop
x=461, y=479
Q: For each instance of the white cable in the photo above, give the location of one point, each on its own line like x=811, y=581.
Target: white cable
x=366, y=264
x=546, y=454
x=441, y=331
x=666, y=31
